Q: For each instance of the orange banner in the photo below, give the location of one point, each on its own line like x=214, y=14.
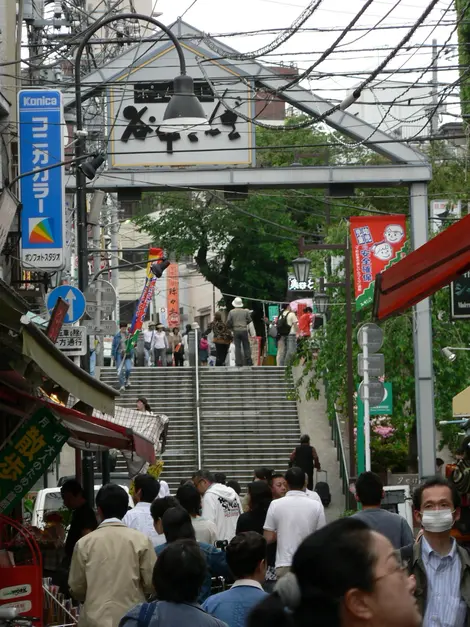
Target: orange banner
x=172, y=296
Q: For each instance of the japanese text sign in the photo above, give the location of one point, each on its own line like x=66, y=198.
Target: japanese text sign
x=40, y=115
x=460, y=297
x=30, y=452
x=139, y=140
x=72, y=341
x=172, y=295
x=299, y=286
x=377, y=243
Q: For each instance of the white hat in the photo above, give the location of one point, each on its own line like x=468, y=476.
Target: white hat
x=237, y=302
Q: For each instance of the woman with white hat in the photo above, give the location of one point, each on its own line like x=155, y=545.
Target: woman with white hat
x=238, y=321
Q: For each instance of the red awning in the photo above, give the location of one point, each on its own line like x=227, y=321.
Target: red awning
x=424, y=271
x=88, y=432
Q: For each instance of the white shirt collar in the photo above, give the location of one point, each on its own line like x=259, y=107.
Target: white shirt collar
x=142, y=505
x=296, y=493
x=247, y=582
x=111, y=520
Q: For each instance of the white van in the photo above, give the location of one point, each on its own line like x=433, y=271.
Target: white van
x=50, y=500
x=398, y=500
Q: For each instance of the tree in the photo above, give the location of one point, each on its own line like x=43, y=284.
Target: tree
x=242, y=246
x=463, y=29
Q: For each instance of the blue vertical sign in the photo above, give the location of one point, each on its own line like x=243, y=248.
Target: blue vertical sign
x=41, y=144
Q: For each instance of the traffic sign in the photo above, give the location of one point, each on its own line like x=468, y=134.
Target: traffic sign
x=375, y=337
x=72, y=341
x=384, y=409
x=41, y=145
x=376, y=392
x=101, y=292
x=105, y=327
x=73, y=296
x=375, y=364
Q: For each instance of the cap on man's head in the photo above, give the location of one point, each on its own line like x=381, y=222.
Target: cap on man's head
x=237, y=303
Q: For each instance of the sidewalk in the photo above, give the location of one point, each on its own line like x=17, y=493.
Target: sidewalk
x=313, y=420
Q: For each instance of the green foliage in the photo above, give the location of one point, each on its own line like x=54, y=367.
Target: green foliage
x=464, y=57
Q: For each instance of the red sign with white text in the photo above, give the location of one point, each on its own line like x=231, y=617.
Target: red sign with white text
x=172, y=296
x=377, y=243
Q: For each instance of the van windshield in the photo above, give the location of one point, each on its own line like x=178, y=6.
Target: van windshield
x=53, y=501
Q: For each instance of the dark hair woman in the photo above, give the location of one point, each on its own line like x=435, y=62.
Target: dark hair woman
x=344, y=575
x=259, y=500
x=222, y=338
x=143, y=404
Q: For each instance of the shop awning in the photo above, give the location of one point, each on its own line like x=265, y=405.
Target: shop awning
x=461, y=404
x=424, y=271
x=60, y=369
x=87, y=432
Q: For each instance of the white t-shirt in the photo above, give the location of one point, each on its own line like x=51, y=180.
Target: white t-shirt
x=293, y=518
x=164, y=490
x=205, y=530
x=316, y=497
x=141, y=519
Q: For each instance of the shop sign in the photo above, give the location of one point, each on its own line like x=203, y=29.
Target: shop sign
x=377, y=243
x=27, y=456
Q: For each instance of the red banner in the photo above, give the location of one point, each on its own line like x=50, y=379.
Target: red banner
x=377, y=243
x=172, y=296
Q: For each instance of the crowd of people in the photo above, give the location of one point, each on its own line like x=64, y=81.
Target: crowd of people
x=225, y=341
x=210, y=556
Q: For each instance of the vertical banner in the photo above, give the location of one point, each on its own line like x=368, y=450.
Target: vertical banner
x=144, y=300
x=172, y=296
x=377, y=243
x=41, y=144
x=28, y=455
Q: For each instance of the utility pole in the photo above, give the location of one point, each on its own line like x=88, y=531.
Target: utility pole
x=434, y=96
x=114, y=256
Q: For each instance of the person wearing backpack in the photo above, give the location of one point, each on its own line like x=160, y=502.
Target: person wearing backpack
x=286, y=335
x=238, y=321
x=203, y=350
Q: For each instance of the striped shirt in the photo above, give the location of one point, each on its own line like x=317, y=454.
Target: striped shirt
x=445, y=606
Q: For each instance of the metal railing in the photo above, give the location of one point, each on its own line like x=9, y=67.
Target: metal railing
x=337, y=438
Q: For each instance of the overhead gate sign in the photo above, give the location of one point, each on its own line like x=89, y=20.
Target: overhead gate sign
x=42, y=193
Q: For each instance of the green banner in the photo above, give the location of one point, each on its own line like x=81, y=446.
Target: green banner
x=26, y=457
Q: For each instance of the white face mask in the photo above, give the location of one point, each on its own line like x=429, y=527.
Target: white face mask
x=437, y=520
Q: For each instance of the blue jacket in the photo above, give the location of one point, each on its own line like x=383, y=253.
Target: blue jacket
x=216, y=566
x=233, y=606
x=166, y=614
x=115, y=347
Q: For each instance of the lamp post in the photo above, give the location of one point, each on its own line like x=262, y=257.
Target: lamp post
x=322, y=303
x=183, y=110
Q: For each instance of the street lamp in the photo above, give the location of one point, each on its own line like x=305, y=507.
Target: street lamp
x=321, y=302
x=448, y=353
x=184, y=110
x=301, y=267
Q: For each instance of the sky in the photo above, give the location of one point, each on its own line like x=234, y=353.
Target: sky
x=356, y=55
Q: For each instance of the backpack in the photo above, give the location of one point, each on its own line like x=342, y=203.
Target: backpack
x=283, y=327
x=203, y=344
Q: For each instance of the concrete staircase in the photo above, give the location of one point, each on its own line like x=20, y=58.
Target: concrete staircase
x=169, y=391
x=247, y=419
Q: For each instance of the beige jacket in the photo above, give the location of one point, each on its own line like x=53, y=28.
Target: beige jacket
x=111, y=572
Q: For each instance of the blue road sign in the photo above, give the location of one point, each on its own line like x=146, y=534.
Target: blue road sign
x=74, y=298
x=41, y=144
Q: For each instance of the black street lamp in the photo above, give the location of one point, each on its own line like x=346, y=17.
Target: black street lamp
x=184, y=110
x=322, y=301
x=301, y=267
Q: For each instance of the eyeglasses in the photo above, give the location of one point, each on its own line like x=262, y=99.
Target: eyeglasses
x=401, y=567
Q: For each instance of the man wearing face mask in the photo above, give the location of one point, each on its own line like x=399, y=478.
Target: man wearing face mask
x=440, y=566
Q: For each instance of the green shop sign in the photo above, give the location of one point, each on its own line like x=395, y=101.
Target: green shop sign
x=27, y=456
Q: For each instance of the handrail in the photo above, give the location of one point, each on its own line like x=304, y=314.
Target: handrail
x=337, y=438
x=198, y=399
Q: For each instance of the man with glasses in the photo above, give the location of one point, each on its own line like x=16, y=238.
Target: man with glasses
x=441, y=567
